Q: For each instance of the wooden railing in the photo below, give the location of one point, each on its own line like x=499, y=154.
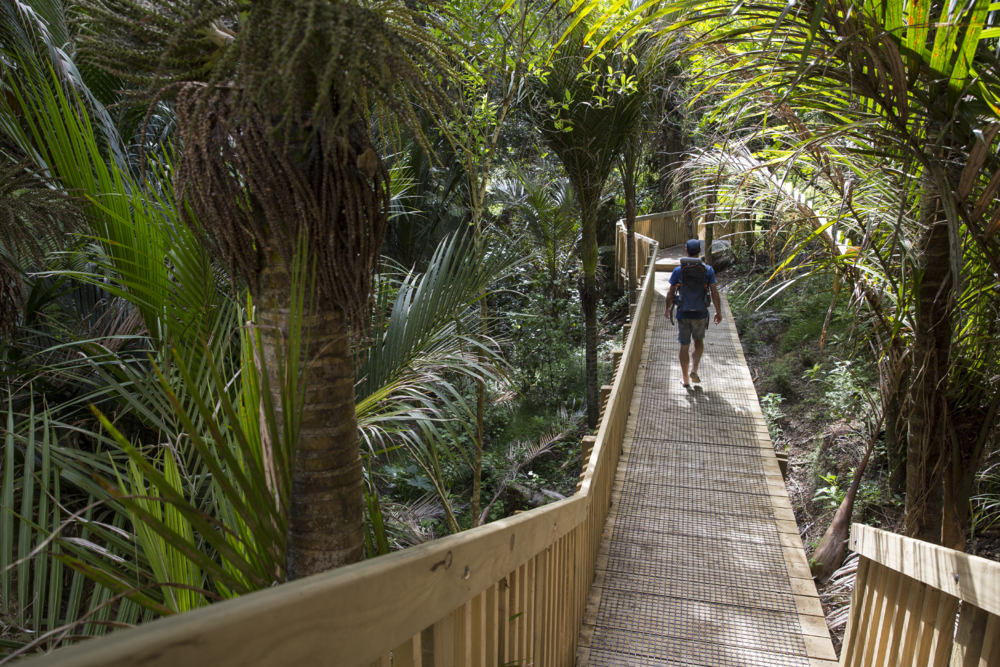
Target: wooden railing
x=645, y=249
x=666, y=228
x=907, y=596
x=513, y=591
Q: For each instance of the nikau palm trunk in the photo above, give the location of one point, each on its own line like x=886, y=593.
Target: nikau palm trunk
x=926, y=437
x=477, y=464
x=629, y=183
x=326, y=528
x=588, y=299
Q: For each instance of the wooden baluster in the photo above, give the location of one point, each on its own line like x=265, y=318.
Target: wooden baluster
x=408, y=654
x=886, y=617
x=852, y=636
x=990, y=656
x=541, y=587
x=478, y=631
x=891, y=625
x=925, y=623
x=492, y=624
x=551, y=605
x=969, y=636
x=528, y=627
x=942, y=631
x=463, y=635
x=910, y=623
x=569, y=599
x=586, y=449
x=873, y=613
x=605, y=393
x=561, y=605
x=440, y=644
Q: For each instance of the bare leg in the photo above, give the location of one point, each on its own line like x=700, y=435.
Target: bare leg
x=699, y=347
x=684, y=364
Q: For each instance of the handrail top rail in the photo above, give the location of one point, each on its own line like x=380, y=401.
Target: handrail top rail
x=970, y=578
x=657, y=216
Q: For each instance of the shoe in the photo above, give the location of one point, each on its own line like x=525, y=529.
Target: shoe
x=686, y=386
x=695, y=378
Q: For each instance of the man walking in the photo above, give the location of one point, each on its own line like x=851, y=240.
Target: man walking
x=692, y=282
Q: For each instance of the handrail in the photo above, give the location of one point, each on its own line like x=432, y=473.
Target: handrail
x=906, y=599
x=666, y=228
x=657, y=216
x=511, y=591
x=643, y=252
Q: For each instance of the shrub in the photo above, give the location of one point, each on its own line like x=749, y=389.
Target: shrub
x=770, y=405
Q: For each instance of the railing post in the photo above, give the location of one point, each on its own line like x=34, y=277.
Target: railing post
x=605, y=393
x=587, y=448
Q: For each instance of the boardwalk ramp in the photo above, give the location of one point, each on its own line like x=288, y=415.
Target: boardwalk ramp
x=701, y=561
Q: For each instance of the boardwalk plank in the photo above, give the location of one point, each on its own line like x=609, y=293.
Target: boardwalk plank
x=701, y=562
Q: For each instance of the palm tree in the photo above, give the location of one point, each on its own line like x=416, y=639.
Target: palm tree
x=586, y=109
x=944, y=132
x=276, y=148
x=547, y=209
x=868, y=74
x=644, y=59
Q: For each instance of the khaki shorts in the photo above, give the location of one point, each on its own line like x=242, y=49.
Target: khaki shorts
x=688, y=329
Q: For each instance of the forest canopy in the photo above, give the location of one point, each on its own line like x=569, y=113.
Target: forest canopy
x=289, y=284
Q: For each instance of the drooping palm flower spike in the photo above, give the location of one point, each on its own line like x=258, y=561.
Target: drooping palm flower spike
x=274, y=105
x=274, y=102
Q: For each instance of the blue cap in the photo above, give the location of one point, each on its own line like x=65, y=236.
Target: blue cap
x=693, y=246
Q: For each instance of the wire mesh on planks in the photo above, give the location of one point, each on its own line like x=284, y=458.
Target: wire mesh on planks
x=694, y=572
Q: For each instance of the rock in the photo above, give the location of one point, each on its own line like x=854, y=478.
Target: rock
x=535, y=497
x=722, y=254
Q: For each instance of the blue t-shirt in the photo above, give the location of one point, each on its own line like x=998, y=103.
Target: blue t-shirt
x=675, y=279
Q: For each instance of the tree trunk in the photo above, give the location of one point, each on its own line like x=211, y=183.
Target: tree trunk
x=926, y=433
x=971, y=429
x=628, y=176
x=829, y=553
x=895, y=430
x=325, y=527
x=477, y=466
x=709, y=225
x=688, y=216
x=588, y=300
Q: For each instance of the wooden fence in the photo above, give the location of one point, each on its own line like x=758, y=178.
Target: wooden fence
x=907, y=597
x=666, y=228
x=512, y=591
x=645, y=253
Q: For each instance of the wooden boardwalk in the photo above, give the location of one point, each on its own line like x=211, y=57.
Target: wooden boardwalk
x=668, y=259
x=701, y=562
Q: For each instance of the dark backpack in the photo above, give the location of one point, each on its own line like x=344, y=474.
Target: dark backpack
x=693, y=288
